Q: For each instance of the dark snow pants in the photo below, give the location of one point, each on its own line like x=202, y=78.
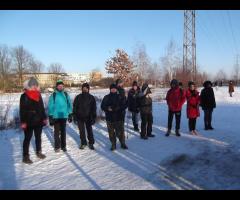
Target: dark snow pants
x=192, y=124
x=135, y=119
x=146, y=124
x=177, y=117
x=60, y=133
x=116, y=129
x=28, y=133
x=81, y=125
x=208, y=118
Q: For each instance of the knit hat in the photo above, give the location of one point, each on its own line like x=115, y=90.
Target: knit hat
x=174, y=82
x=30, y=82
x=190, y=83
x=85, y=85
x=206, y=83
x=59, y=82
x=134, y=83
x=113, y=85
x=145, y=89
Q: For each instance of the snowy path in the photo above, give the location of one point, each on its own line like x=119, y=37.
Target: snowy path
x=207, y=162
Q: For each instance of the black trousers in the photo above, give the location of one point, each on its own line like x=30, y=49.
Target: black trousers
x=135, y=119
x=208, y=117
x=81, y=125
x=177, y=118
x=60, y=133
x=28, y=133
x=146, y=124
x=192, y=124
x=116, y=130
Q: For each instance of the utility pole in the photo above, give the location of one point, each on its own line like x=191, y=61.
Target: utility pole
x=189, y=44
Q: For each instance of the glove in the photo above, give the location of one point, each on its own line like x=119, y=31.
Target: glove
x=70, y=118
x=51, y=120
x=24, y=126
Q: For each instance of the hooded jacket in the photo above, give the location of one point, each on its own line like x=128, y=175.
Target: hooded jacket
x=193, y=101
x=175, y=99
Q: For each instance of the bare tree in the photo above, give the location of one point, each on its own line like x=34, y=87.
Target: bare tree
x=56, y=69
x=95, y=75
x=142, y=61
x=21, y=58
x=221, y=75
x=171, y=62
x=5, y=66
x=120, y=65
x=35, y=66
x=236, y=73
x=154, y=73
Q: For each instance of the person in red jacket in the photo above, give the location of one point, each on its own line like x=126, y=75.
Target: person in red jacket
x=193, y=101
x=175, y=100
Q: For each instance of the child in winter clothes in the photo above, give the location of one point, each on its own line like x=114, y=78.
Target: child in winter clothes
x=32, y=117
x=193, y=101
x=175, y=100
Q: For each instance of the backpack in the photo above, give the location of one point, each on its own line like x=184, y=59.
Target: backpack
x=66, y=95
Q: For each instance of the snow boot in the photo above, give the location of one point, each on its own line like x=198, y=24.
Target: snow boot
x=113, y=147
x=40, y=155
x=136, y=129
x=168, y=133
x=91, y=146
x=210, y=128
x=177, y=133
x=151, y=135
x=124, y=146
x=82, y=146
x=195, y=132
x=64, y=149
x=57, y=150
x=27, y=160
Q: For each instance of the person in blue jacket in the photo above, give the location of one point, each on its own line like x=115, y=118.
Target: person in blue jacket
x=59, y=111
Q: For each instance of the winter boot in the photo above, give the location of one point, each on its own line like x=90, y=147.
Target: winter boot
x=151, y=135
x=210, y=127
x=195, y=132
x=64, y=149
x=91, y=146
x=57, y=150
x=27, y=160
x=113, y=147
x=40, y=155
x=82, y=146
x=168, y=133
x=124, y=146
x=136, y=128
x=177, y=133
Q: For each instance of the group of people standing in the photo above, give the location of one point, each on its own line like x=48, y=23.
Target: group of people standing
x=83, y=112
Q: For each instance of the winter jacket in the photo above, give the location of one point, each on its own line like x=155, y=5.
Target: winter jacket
x=132, y=100
x=31, y=112
x=61, y=106
x=84, y=107
x=193, y=101
x=145, y=104
x=207, y=99
x=121, y=92
x=175, y=99
x=117, y=104
x=231, y=88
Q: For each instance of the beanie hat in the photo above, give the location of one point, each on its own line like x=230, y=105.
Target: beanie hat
x=206, y=83
x=174, y=82
x=190, y=83
x=85, y=85
x=144, y=86
x=59, y=82
x=113, y=85
x=134, y=83
x=32, y=82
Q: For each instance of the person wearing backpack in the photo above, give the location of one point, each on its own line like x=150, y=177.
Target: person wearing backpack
x=84, y=115
x=32, y=118
x=59, y=111
x=175, y=100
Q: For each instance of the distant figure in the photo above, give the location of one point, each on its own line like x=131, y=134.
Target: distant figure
x=133, y=105
x=193, y=101
x=175, y=100
x=208, y=103
x=32, y=117
x=216, y=85
x=231, y=88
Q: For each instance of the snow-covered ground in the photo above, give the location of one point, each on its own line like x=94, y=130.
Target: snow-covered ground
x=210, y=161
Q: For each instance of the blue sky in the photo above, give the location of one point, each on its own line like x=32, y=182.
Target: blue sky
x=84, y=40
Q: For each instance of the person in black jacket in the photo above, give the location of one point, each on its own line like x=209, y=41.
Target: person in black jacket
x=113, y=105
x=84, y=114
x=145, y=104
x=132, y=104
x=208, y=103
x=32, y=118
